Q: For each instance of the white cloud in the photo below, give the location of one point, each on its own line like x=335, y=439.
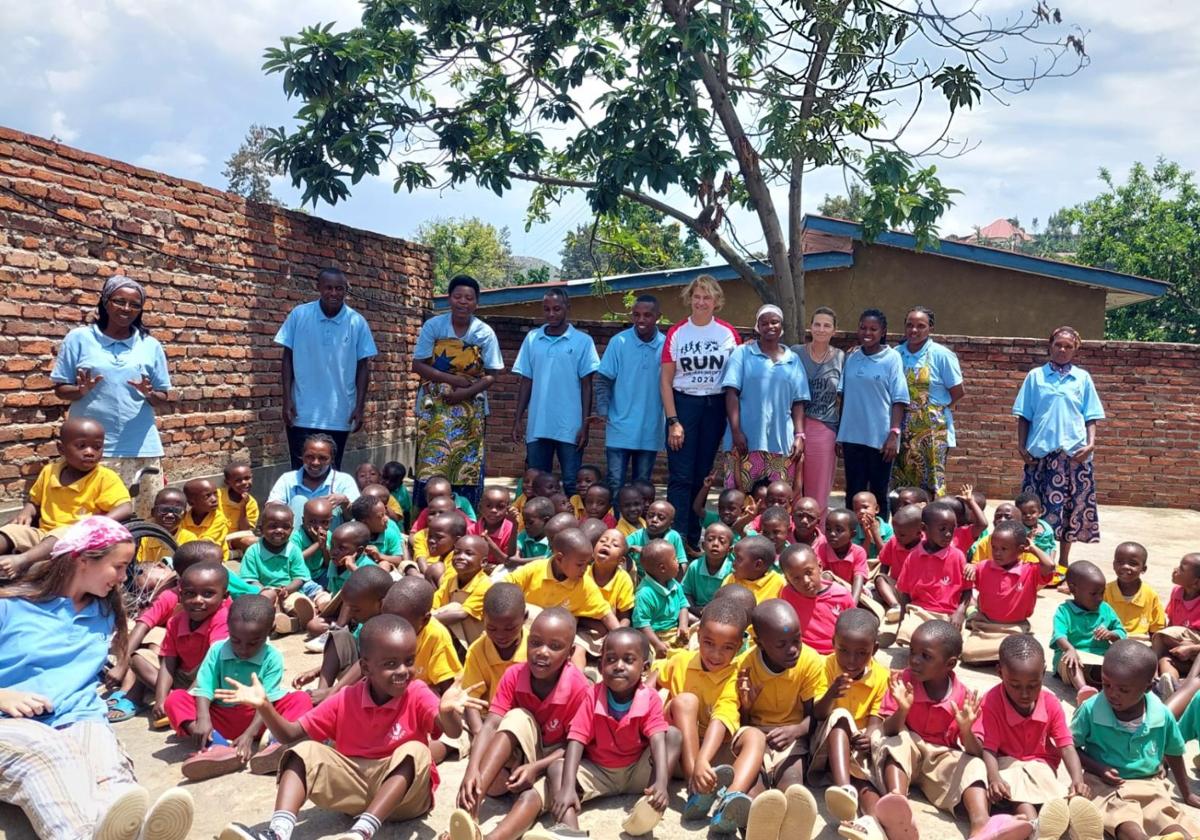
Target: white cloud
x=66, y=81
x=139, y=109
x=60, y=129
x=175, y=157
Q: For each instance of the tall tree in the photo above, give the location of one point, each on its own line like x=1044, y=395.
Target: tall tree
x=852, y=206
x=686, y=106
x=632, y=239
x=467, y=246
x=1149, y=225
x=249, y=170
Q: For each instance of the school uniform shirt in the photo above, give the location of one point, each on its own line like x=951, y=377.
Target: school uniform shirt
x=528, y=546
x=893, y=555
x=581, y=598
x=944, y=373
x=716, y=690
x=764, y=588
x=555, y=364
x=861, y=538
x=657, y=605
x=316, y=563
x=1009, y=595
x=577, y=507
x=1076, y=625
x=553, y=714
x=619, y=591
x=96, y=492
x=964, y=538
x=634, y=411
x=609, y=742
x=1189, y=721
x=290, y=490
x=864, y=698
x=1134, y=755
x=626, y=528
x=819, y=615
x=221, y=663
x=190, y=644
x=484, y=664
x=981, y=552
x=934, y=582
x=475, y=589
x=214, y=528
x=436, y=660
x=389, y=541
x=767, y=389
x=1180, y=611
x=50, y=648
x=127, y=416
x=274, y=569
x=156, y=551
x=1058, y=407
x=932, y=719
x=870, y=386
x=233, y=510
x=699, y=586
x=324, y=394
x=160, y=609
x=846, y=568
x=1044, y=537
x=505, y=536
x=463, y=506
x=1141, y=614
x=1040, y=736
x=338, y=575
x=641, y=536
x=699, y=355
x=784, y=693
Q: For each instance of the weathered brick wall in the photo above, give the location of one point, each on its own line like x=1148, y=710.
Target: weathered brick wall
x=221, y=273
x=1148, y=450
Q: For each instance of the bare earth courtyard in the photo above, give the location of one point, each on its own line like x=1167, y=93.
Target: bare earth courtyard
x=1168, y=534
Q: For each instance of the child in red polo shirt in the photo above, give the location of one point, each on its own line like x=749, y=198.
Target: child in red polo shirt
x=838, y=553
x=932, y=584
x=496, y=526
x=525, y=729
x=379, y=766
x=1177, y=644
x=817, y=601
x=907, y=532
x=806, y=521
x=1028, y=748
x=1008, y=590
x=969, y=517
x=619, y=741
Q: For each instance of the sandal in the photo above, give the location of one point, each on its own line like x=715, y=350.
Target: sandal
x=895, y=817
x=463, y=826
x=863, y=828
x=122, y=709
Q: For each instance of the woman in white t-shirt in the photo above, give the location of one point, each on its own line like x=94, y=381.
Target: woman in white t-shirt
x=693, y=360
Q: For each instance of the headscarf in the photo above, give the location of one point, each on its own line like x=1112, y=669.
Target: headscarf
x=765, y=308
x=117, y=282
x=95, y=533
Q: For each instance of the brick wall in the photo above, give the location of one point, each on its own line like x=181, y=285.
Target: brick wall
x=221, y=273
x=1148, y=450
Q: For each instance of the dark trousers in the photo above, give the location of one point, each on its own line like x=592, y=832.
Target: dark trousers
x=620, y=462
x=704, y=421
x=296, y=436
x=866, y=470
x=540, y=454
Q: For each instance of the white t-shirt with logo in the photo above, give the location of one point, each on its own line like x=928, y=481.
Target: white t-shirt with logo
x=699, y=355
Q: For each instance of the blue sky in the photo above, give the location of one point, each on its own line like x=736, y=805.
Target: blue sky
x=173, y=85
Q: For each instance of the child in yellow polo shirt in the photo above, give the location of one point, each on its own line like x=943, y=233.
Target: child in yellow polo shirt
x=848, y=712
x=631, y=504
x=501, y=645
x=432, y=549
x=458, y=602
x=606, y=570
x=203, y=519
x=437, y=661
x=237, y=505
x=753, y=558
x=1135, y=603
x=167, y=512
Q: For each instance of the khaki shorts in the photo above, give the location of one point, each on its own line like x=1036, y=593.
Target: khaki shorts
x=594, y=781
x=775, y=762
x=942, y=773
x=347, y=785
x=467, y=630
x=345, y=648
x=982, y=638
x=819, y=748
x=1180, y=635
x=524, y=729
x=1033, y=782
x=1091, y=663
x=864, y=599
x=22, y=537
x=1148, y=803
x=914, y=617
x=151, y=645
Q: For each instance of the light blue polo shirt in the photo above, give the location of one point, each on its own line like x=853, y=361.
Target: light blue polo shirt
x=50, y=649
x=869, y=387
x=555, y=364
x=1134, y=755
x=635, y=410
x=944, y=373
x=128, y=419
x=1058, y=408
x=767, y=391
x=289, y=488
x=325, y=355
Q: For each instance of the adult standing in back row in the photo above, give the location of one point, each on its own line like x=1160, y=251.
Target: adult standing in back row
x=327, y=347
x=693, y=360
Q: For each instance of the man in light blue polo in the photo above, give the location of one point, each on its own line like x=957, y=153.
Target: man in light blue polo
x=556, y=363
x=627, y=395
x=327, y=348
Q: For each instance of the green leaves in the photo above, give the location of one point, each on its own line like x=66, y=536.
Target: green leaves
x=903, y=196
x=960, y=85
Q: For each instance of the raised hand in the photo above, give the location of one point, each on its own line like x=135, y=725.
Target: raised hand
x=142, y=386
x=246, y=695
x=85, y=380
x=457, y=699
x=902, y=692
x=968, y=712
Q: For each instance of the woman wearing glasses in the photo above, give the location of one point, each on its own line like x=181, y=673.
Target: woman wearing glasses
x=114, y=372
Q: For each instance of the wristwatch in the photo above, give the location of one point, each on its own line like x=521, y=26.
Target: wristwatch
x=672, y=421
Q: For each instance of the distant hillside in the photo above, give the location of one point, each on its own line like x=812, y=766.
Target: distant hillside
x=526, y=264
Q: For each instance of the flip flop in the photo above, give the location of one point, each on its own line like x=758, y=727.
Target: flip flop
x=122, y=709
x=162, y=723
x=896, y=818
x=732, y=813
x=699, y=804
x=265, y=762
x=863, y=828
x=801, y=818
x=123, y=819
x=114, y=698
x=170, y=817
x=1053, y=820
x=767, y=815
x=841, y=801
x=1006, y=827
x=463, y=826
x=641, y=819
x=1087, y=823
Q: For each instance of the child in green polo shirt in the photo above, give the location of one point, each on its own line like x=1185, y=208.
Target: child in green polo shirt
x=705, y=574
x=387, y=541
x=277, y=565
x=660, y=609
x=532, y=541
x=312, y=538
x=1084, y=627
x=1125, y=736
x=659, y=517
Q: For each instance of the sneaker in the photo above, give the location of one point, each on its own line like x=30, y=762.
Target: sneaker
x=237, y=831
x=284, y=624
x=733, y=811
x=317, y=643
x=123, y=819
x=211, y=763
x=892, y=616
x=170, y=817
x=304, y=609
x=699, y=804
x=265, y=762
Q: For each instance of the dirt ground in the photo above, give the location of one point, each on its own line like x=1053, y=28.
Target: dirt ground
x=1168, y=534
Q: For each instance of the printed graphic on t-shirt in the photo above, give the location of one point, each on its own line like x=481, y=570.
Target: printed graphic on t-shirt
x=703, y=360
x=824, y=387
